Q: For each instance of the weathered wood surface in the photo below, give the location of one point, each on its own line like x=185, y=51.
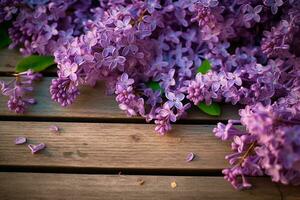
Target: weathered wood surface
x=113, y=187
x=114, y=146
x=93, y=103
x=8, y=60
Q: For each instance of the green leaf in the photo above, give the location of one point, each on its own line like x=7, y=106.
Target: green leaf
x=34, y=62
x=213, y=109
x=154, y=86
x=204, y=67
x=4, y=38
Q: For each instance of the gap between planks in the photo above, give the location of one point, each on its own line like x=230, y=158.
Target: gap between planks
x=113, y=187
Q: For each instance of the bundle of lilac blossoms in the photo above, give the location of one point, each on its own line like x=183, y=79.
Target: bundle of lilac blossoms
x=39, y=26
x=149, y=52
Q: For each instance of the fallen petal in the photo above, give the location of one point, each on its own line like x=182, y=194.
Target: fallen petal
x=190, y=157
x=36, y=148
x=54, y=128
x=20, y=140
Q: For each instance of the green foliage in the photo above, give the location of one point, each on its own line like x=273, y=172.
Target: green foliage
x=4, y=38
x=213, y=109
x=34, y=62
x=154, y=86
x=204, y=67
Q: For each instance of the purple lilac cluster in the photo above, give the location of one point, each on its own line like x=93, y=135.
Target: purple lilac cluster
x=38, y=27
x=17, y=90
x=131, y=44
x=262, y=69
x=128, y=47
x=270, y=145
x=8, y=8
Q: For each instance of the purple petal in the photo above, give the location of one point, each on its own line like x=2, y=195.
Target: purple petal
x=170, y=96
x=54, y=128
x=36, y=148
x=190, y=157
x=121, y=59
x=20, y=140
x=73, y=77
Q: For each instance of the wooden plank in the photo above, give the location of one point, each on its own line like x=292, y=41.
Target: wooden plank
x=8, y=60
x=113, y=146
x=113, y=187
x=94, y=103
x=289, y=193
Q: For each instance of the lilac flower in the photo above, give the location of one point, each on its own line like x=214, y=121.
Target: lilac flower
x=114, y=60
x=8, y=9
x=38, y=24
x=123, y=24
x=173, y=36
x=277, y=40
x=127, y=100
x=151, y=5
x=175, y=99
x=274, y=4
x=226, y=132
x=163, y=118
x=124, y=82
x=167, y=79
x=70, y=71
x=63, y=91
x=271, y=144
x=17, y=89
x=274, y=135
x=251, y=14
x=154, y=97
x=50, y=31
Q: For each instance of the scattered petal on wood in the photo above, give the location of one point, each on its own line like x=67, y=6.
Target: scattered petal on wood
x=173, y=184
x=140, y=181
x=54, y=128
x=36, y=148
x=190, y=157
x=20, y=140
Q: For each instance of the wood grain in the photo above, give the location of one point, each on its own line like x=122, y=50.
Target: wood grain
x=113, y=187
x=114, y=146
x=8, y=60
x=93, y=103
x=289, y=192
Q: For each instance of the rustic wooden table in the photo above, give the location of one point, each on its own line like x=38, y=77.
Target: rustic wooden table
x=102, y=154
